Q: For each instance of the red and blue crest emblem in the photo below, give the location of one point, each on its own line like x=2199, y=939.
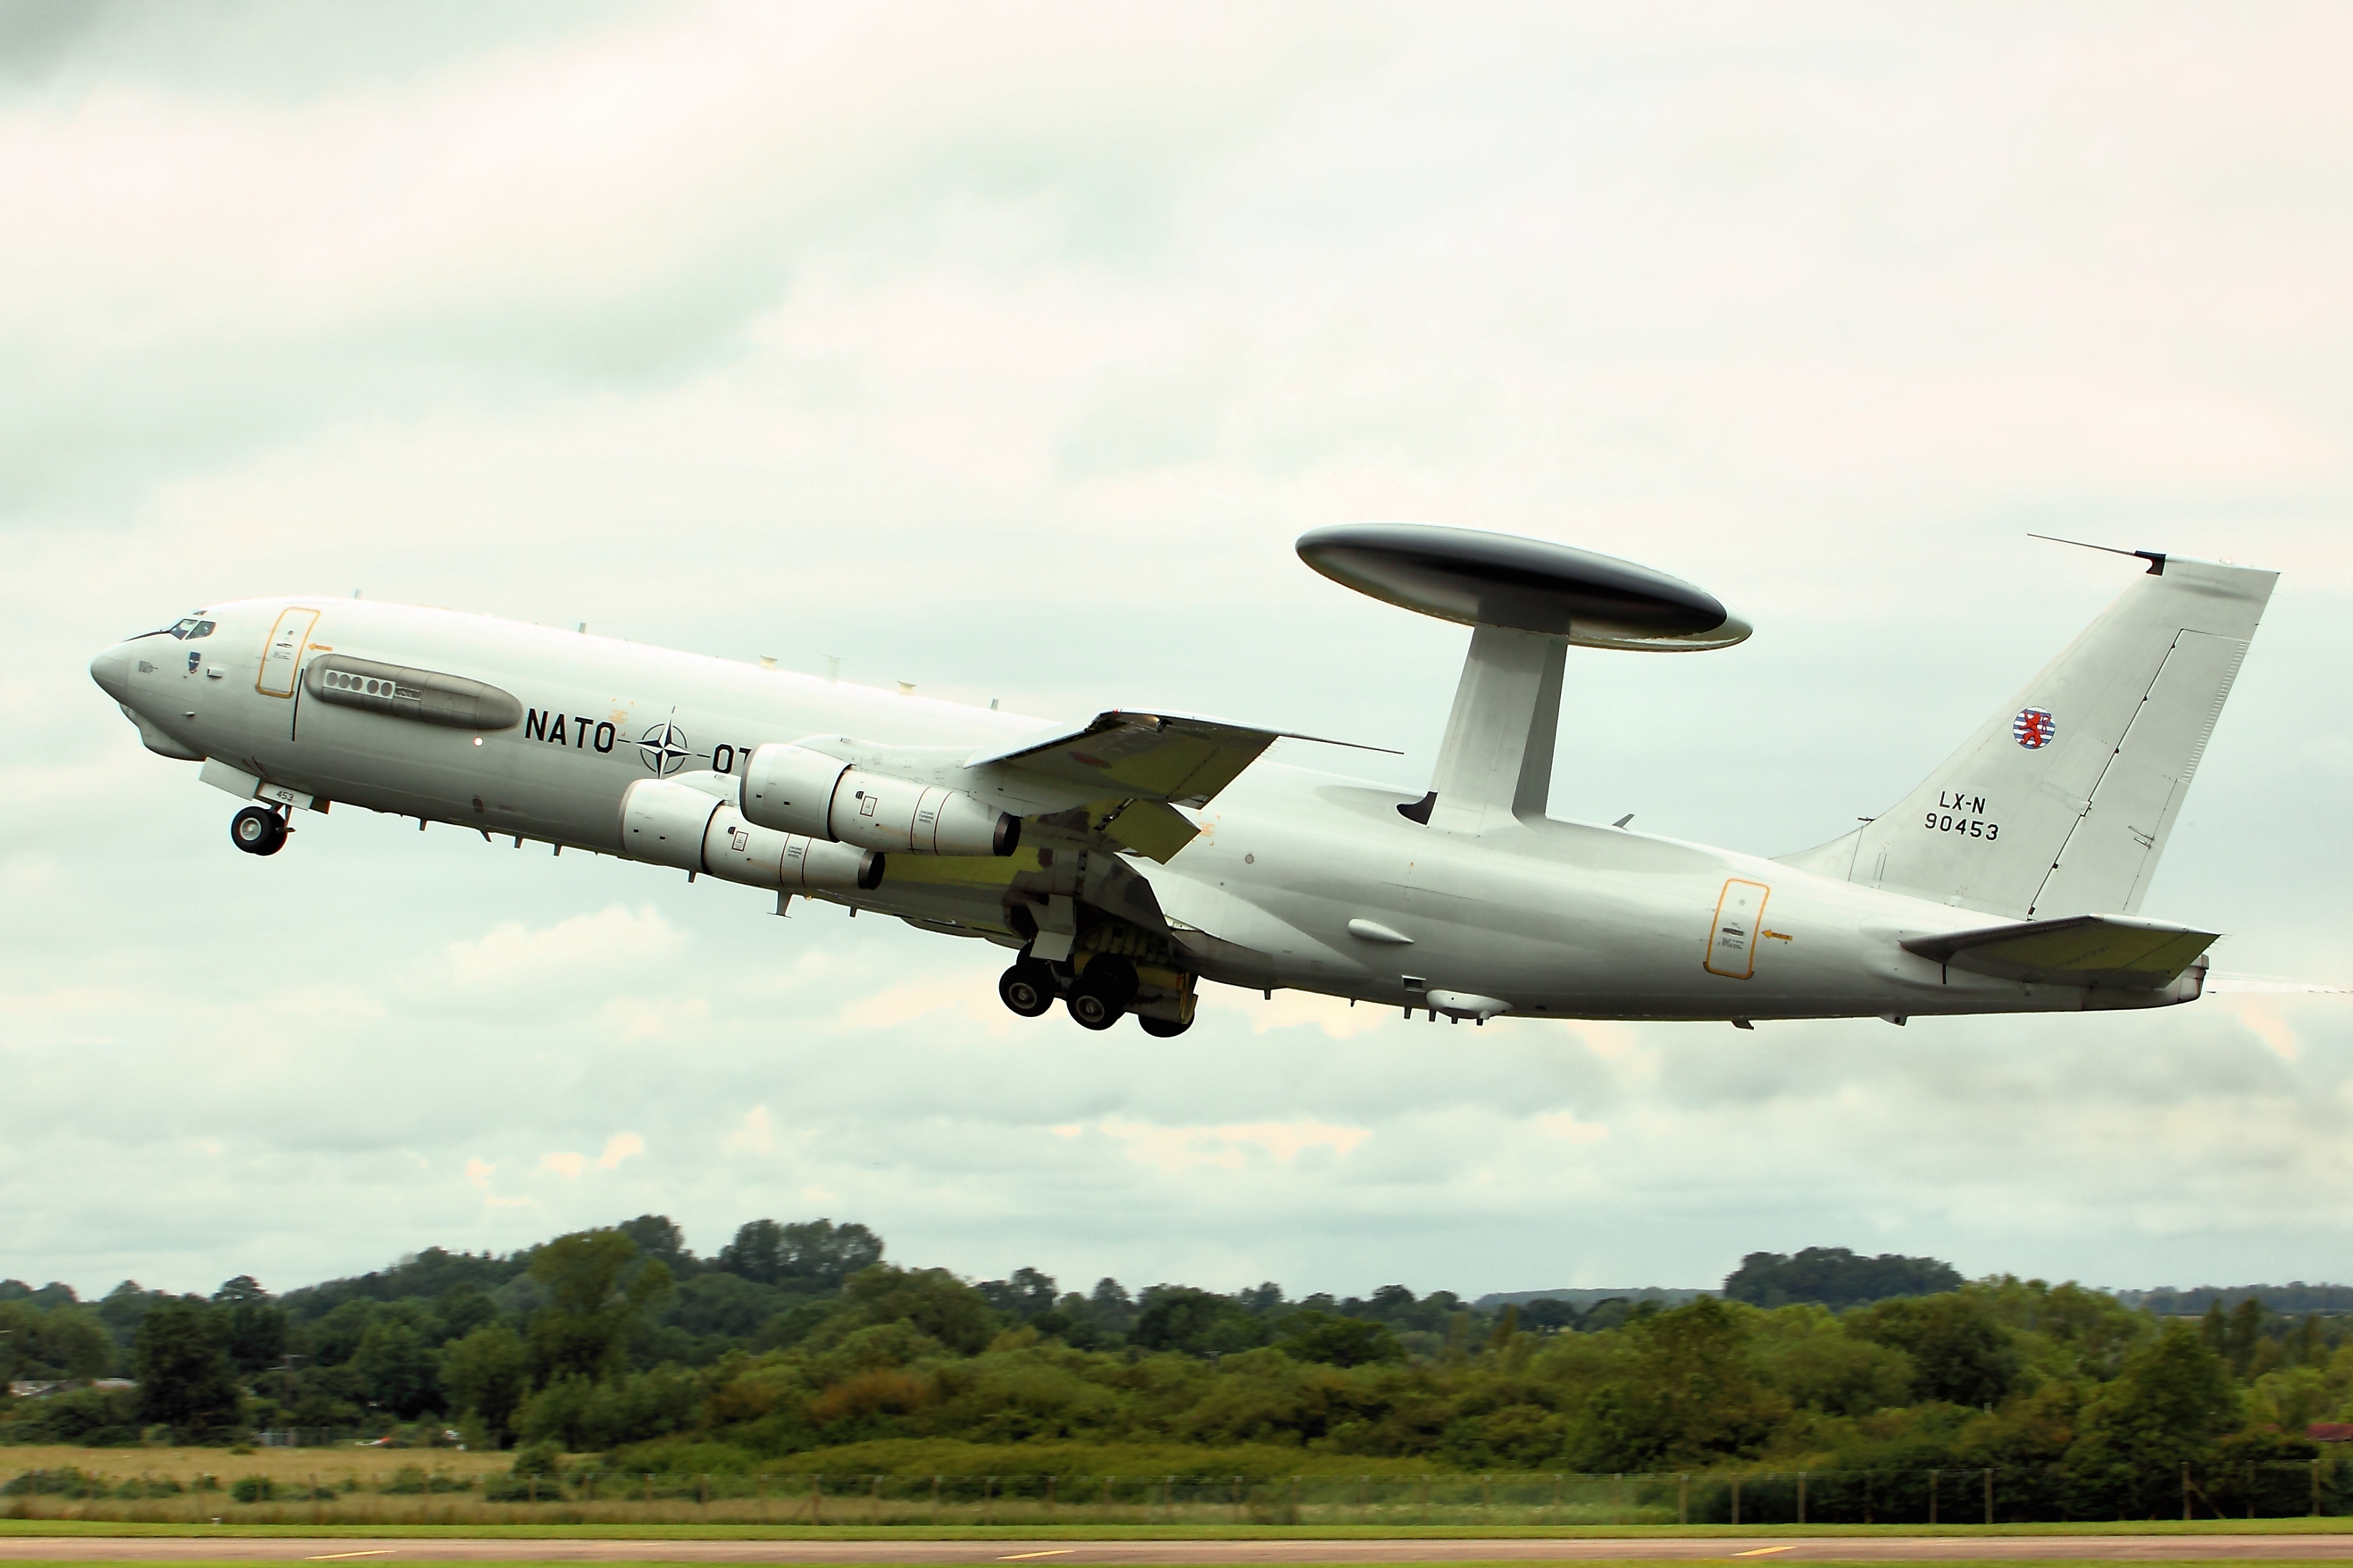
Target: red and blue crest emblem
x=2033, y=728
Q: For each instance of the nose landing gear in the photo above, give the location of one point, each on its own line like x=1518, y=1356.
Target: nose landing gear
x=258, y=830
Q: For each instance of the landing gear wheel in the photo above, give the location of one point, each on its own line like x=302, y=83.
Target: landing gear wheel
x=1104, y=990
x=1163, y=1028
x=1028, y=988
x=257, y=831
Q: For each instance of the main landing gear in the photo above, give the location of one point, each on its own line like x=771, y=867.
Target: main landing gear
x=1097, y=999
x=1101, y=991
x=1029, y=987
x=258, y=830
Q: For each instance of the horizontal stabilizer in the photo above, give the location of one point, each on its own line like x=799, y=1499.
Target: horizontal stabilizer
x=1172, y=757
x=2115, y=951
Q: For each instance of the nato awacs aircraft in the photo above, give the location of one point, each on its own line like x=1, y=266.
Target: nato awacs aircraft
x=1129, y=856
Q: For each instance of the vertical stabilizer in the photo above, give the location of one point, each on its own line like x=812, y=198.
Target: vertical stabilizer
x=2061, y=801
x=1495, y=763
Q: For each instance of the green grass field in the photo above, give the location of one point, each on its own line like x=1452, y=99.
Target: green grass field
x=17, y=1528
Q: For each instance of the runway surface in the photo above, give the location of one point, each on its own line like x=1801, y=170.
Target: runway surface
x=1759, y=1550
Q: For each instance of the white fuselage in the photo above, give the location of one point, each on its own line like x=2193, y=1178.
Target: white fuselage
x=1298, y=878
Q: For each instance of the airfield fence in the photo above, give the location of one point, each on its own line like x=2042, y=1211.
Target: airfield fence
x=418, y=1495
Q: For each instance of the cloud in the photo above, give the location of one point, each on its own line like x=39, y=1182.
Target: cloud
x=1564, y=1125
x=1227, y=1148
x=617, y=1147
x=511, y=954
x=755, y=1133
x=478, y=1174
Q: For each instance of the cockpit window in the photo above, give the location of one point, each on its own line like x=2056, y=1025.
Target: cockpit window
x=191, y=627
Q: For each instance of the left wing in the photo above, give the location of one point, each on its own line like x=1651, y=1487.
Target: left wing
x=1143, y=765
x=1175, y=758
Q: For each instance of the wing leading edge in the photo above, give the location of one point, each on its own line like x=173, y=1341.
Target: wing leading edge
x=1178, y=758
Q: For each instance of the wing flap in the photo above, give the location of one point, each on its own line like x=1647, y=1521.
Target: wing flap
x=2116, y=951
x=1152, y=828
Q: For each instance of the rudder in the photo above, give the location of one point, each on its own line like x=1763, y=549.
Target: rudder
x=2061, y=801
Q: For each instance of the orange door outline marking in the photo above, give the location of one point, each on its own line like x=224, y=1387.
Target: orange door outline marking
x=1745, y=948
x=287, y=621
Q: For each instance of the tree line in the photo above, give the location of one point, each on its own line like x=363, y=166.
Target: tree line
x=797, y=1340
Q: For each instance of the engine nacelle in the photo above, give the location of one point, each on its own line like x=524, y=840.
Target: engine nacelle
x=664, y=821
x=795, y=789
x=682, y=823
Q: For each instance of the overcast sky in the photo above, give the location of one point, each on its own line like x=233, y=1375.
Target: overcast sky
x=1006, y=349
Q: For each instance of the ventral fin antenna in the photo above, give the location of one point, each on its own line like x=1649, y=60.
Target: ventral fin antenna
x=2155, y=558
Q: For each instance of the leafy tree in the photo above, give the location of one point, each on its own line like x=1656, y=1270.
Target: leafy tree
x=1264, y=1298
x=1108, y=1308
x=1806, y=1353
x=466, y=1308
x=72, y=1341
x=1396, y=1306
x=396, y=1370
x=583, y=1330
x=124, y=1306
x=185, y=1381
x=64, y=1341
x=931, y=1301
x=1548, y=1315
x=1026, y=1295
x=256, y=1324
x=658, y=1236
x=1687, y=1395
x=796, y=1323
x=578, y=1413
x=2214, y=1329
x=2244, y=1333
x=2172, y=1400
x=335, y=1338
x=723, y=1304
x=1834, y=1277
x=819, y=1252
x=488, y=1373
x=1959, y=1349
x=93, y=1417
x=1337, y=1341
x=1197, y=1323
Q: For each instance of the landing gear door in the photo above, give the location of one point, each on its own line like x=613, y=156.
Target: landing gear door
x=1739, y=922
x=282, y=661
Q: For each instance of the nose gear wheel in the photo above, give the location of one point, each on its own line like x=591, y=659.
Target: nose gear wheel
x=257, y=831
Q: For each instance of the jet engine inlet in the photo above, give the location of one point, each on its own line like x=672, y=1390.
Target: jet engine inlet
x=795, y=789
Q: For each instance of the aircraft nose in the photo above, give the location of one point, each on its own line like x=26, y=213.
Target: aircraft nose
x=112, y=671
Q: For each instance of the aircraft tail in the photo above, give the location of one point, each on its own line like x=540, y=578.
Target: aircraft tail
x=2061, y=801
